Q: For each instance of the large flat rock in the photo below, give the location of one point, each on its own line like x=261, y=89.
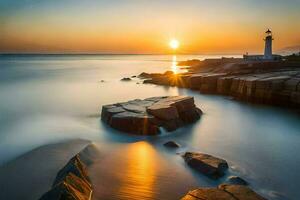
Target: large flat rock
x=206, y=164
x=223, y=192
x=145, y=117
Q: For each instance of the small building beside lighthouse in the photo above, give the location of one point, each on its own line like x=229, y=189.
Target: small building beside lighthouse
x=268, y=54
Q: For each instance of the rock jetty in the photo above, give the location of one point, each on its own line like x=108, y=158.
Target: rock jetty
x=72, y=182
x=206, y=164
x=276, y=83
x=145, y=117
x=223, y=192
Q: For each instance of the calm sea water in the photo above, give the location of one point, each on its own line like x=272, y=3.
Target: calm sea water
x=48, y=99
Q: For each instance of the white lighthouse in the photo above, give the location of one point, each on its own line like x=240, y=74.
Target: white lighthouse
x=268, y=45
x=268, y=55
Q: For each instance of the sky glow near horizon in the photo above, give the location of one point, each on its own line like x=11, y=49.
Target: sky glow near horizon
x=141, y=26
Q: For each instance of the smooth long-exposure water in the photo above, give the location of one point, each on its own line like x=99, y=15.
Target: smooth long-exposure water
x=50, y=99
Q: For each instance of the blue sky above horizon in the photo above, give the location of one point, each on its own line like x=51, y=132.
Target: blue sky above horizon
x=141, y=26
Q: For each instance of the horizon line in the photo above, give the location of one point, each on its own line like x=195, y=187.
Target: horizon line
x=37, y=53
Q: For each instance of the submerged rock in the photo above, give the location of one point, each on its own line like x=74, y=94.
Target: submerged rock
x=171, y=144
x=72, y=181
x=206, y=164
x=145, y=117
x=223, y=192
x=235, y=180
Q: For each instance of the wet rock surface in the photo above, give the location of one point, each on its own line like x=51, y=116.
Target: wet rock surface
x=208, y=165
x=276, y=83
x=145, y=117
x=72, y=181
x=223, y=192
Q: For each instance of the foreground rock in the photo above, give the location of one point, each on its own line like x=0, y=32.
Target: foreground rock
x=72, y=182
x=145, y=117
x=206, y=164
x=223, y=192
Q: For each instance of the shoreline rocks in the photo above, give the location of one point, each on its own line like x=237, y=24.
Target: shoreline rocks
x=145, y=117
x=208, y=165
x=223, y=192
x=267, y=83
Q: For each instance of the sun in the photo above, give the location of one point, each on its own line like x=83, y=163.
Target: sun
x=174, y=44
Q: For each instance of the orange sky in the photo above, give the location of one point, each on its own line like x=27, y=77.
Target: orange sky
x=217, y=26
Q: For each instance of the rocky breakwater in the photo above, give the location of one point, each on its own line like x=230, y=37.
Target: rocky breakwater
x=145, y=117
x=223, y=192
x=72, y=181
x=279, y=86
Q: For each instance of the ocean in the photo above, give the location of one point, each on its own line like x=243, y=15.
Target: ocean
x=48, y=99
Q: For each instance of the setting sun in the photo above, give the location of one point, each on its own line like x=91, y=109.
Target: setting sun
x=174, y=44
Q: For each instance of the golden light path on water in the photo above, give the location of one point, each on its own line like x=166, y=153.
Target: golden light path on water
x=174, y=66
x=140, y=171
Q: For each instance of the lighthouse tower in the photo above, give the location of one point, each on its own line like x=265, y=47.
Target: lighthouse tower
x=268, y=45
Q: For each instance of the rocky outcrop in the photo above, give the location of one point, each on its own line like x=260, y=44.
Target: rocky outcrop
x=145, y=117
x=268, y=85
x=72, y=181
x=206, y=164
x=223, y=192
x=71, y=188
x=75, y=167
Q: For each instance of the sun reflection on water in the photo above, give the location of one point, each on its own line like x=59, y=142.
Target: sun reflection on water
x=174, y=66
x=140, y=172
